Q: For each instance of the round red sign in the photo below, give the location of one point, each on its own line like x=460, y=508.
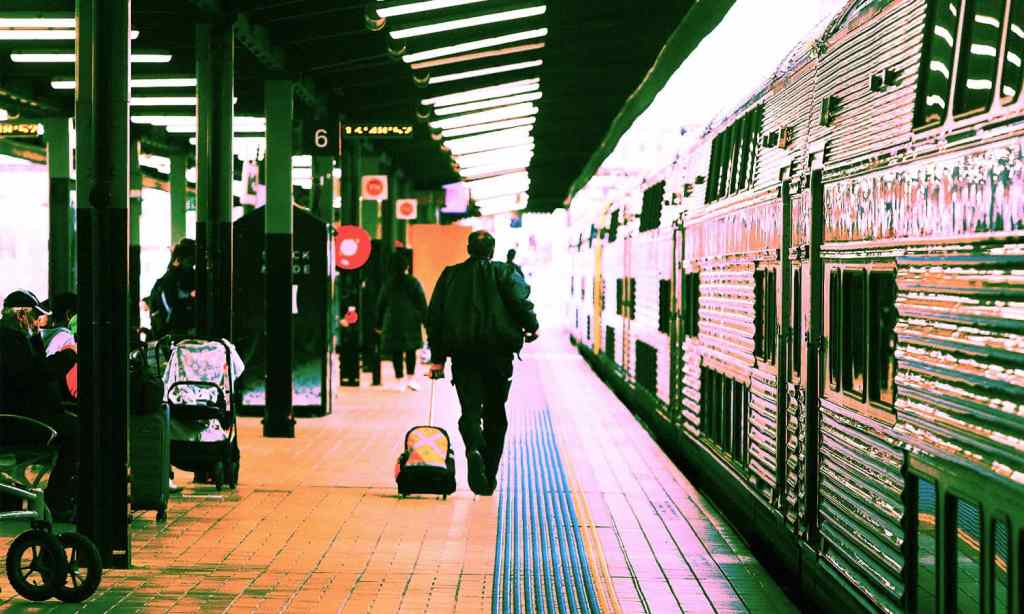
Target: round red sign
x=406, y=208
x=374, y=187
x=351, y=247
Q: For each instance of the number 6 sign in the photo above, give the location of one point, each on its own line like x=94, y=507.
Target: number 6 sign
x=324, y=139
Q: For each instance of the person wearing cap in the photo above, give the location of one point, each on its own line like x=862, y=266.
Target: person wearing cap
x=29, y=387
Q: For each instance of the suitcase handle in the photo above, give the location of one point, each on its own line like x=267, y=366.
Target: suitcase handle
x=430, y=412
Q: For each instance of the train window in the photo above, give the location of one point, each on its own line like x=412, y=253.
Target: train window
x=882, y=320
x=765, y=311
x=650, y=212
x=630, y=295
x=854, y=340
x=1000, y=567
x=976, y=73
x=613, y=227
x=691, y=304
x=588, y=328
x=725, y=408
x=609, y=342
x=646, y=367
x=963, y=562
x=834, y=320
x=734, y=156
x=937, y=63
x=619, y=298
x=925, y=522
x=664, y=305
x=796, y=325
x=1013, y=61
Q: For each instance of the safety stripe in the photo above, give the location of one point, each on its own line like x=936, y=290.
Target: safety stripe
x=541, y=563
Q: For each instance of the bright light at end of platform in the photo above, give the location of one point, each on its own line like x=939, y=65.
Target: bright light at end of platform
x=420, y=7
x=469, y=22
x=503, y=204
x=440, y=52
x=483, y=72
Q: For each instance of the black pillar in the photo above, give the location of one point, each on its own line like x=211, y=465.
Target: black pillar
x=351, y=170
x=101, y=112
x=179, y=163
x=58, y=162
x=278, y=420
x=215, y=61
x=135, y=245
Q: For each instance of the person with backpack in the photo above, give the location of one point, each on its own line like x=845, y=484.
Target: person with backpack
x=479, y=316
x=401, y=310
x=172, y=299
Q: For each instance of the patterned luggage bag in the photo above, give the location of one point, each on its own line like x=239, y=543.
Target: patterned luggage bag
x=427, y=466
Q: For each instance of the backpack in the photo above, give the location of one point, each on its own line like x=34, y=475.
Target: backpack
x=157, y=310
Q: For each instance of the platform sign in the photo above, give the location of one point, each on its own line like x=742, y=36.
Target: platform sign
x=24, y=129
x=351, y=247
x=323, y=138
x=378, y=130
x=375, y=187
x=405, y=208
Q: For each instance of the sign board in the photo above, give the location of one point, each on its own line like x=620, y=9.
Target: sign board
x=375, y=187
x=20, y=129
x=351, y=247
x=379, y=130
x=405, y=208
x=323, y=138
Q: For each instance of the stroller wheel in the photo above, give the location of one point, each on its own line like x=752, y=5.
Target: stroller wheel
x=85, y=568
x=36, y=567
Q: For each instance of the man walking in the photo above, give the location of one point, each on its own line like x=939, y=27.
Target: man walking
x=479, y=316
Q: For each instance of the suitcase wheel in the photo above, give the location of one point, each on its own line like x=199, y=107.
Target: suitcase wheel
x=161, y=515
x=444, y=497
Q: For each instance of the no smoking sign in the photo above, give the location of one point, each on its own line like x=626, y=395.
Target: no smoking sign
x=405, y=208
x=375, y=187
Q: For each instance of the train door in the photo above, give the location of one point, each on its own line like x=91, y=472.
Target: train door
x=627, y=308
x=597, y=295
x=675, y=326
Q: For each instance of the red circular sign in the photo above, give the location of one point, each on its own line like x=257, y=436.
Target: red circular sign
x=374, y=187
x=351, y=247
x=406, y=208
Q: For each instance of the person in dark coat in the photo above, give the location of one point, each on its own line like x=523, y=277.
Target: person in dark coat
x=173, y=297
x=401, y=311
x=479, y=316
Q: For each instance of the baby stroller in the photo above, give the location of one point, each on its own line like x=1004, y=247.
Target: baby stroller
x=41, y=565
x=200, y=384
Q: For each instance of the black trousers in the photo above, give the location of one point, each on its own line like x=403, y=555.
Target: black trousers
x=409, y=357
x=62, y=490
x=482, y=383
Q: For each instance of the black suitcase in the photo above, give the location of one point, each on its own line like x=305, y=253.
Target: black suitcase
x=149, y=437
x=427, y=466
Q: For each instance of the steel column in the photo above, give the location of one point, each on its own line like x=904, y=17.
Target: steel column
x=135, y=245
x=351, y=171
x=101, y=111
x=278, y=420
x=179, y=186
x=58, y=163
x=215, y=69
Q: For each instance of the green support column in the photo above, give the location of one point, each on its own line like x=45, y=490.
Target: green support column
x=215, y=62
x=401, y=226
x=351, y=171
x=179, y=186
x=58, y=163
x=387, y=215
x=101, y=112
x=135, y=245
x=278, y=420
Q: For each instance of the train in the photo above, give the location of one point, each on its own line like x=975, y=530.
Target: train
x=818, y=308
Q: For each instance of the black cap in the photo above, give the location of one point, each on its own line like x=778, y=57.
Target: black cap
x=24, y=298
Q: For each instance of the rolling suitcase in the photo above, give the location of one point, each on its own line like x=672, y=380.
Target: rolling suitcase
x=149, y=439
x=427, y=466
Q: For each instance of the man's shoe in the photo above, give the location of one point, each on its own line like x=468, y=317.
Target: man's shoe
x=477, y=475
x=413, y=385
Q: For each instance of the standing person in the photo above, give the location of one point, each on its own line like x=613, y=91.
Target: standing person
x=479, y=316
x=401, y=311
x=172, y=300
x=510, y=259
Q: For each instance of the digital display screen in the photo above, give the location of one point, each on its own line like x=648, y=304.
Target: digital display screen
x=381, y=130
x=29, y=129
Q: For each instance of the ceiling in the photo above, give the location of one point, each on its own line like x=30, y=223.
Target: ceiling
x=595, y=53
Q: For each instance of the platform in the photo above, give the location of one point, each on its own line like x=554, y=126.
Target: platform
x=589, y=515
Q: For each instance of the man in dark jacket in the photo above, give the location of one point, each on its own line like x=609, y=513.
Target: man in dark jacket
x=479, y=315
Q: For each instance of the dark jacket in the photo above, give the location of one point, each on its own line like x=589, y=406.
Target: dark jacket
x=29, y=379
x=479, y=306
x=171, y=304
x=401, y=311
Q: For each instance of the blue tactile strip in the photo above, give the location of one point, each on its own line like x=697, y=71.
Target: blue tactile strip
x=540, y=564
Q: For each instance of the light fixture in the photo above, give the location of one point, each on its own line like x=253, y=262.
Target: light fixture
x=503, y=204
x=487, y=104
x=469, y=22
x=483, y=72
x=488, y=127
x=495, y=154
x=69, y=84
x=499, y=180
x=477, y=55
x=482, y=93
x=499, y=137
x=163, y=101
x=50, y=57
x=490, y=171
x=38, y=22
x=45, y=35
x=393, y=10
x=494, y=164
x=495, y=41
x=512, y=111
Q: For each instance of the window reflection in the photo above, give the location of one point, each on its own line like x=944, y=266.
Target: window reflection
x=854, y=350
x=925, y=589
x=933, y=94
x=965, y=566
x=1013, y=63
x=1000, y=568
x=981, y=38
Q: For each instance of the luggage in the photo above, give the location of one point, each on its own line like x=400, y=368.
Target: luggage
x=427, y=466
x=150, y=460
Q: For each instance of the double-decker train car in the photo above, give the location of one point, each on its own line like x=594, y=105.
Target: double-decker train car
x=826, y=322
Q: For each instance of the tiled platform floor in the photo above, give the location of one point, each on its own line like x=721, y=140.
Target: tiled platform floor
x=316, y=526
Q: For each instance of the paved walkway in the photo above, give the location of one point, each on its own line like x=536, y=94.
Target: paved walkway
x=589, y=516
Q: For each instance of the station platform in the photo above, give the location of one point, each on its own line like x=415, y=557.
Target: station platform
x=589, y=516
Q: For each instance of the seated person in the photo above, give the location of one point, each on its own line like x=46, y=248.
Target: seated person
x=29, y=386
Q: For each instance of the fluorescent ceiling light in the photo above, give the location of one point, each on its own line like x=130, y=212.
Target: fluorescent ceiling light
x=500, y=180
x=503, y=204
x=477, y=55
x=45, y=35
x=494, y=154
x=493, y=137
x=37, y=22
x=483, y=93
x=163, y=101
x=483, y=72
x=440, y=52
x=492, y=115
x=469, y=22
x=489, y=165
x=487, y=104
x=69, y=84
x=488, y=127
x=23, y=57
x=420, y=7
x=482, y=172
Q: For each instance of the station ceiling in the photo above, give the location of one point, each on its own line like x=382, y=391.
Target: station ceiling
x=592, y=56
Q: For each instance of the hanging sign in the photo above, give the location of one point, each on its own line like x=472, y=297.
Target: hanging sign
x=20, y=129
x=405, y=208
x=375, y=187
x=351, y=247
